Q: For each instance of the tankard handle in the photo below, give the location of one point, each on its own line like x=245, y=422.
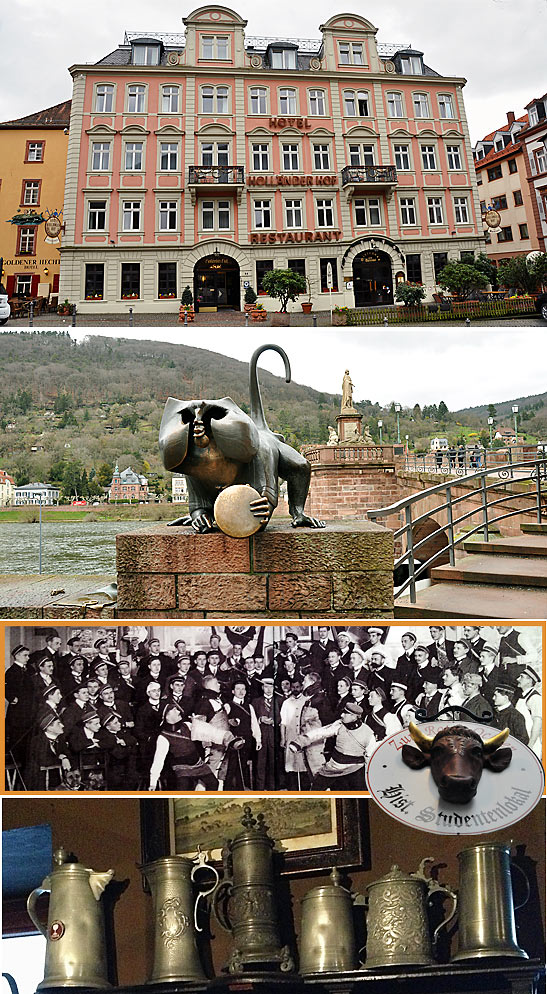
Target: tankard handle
x=222, y=916
x=202, y=864
x=436, y=888
x=515, y=866
x=31, y=908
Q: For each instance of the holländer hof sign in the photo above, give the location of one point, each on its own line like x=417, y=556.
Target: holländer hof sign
x=412, y=797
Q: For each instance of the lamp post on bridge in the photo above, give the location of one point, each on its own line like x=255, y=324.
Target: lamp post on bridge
x=406, y=444
x=515, y=409
x=490, y=423
x=397, y=412
x=380, y=425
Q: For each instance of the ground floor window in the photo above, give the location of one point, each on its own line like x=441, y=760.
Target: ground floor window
x=297, y=266
x=23, y=285
x=323, y=266
x=131, y=279
x=94, y=281
x=167, y=279
x=414, y=268
x=440, y=260
x=263, y=266
x=468, y=257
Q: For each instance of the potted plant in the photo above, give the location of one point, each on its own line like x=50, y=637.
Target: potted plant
x=64, y=308
x=411, y=294
x=186, y=306
x=250, y=299
x=283, y=285
x=258, y=313
x=340, y=315
x=307, y=305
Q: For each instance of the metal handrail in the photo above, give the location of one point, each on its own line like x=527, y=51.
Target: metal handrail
x=216, y=174
x=369, y=174
x=534, y=470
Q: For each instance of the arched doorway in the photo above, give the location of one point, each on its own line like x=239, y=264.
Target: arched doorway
x=372, y=278
x=216, y=283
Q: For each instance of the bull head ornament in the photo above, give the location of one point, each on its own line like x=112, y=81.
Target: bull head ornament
x=457, y=756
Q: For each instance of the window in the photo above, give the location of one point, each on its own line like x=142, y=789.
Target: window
x=350, y=106
x=293, y=213
x=467, y=257
x=215, y=215
x=357, y=104
x=499, y=203
x=169, y=99
x=96, y=215
x=222, y=99
x=421, y=105
x=429, y=160
x=168, y=215
x=461, y=210
x=131, y=215
x=408, y=210
x=523, y=231
x=506, y=234
x=131, y=279
x=414, y=268
x=263, y=266
x=287, y=101
x=283, y=58
x=394, y=105
x=533, y=116
x=215, y=47
x=146, y=55
x=350, y=53
x=541, y=160
x=435, y=210
x=94, y=280
x=31, y=192
x=23, y=285
x=317, y=102
x=133, y=156
x=479, y=179
x=215, y=153
x=259, y=100
x=440, y=260
x=325, y=213
x=361, y=155
x=167, y=279
x=261, y=157
x=104, y=98
x=517, y=197
x=512, y=163
x=321, y=157
x=169, y=157
x=367, y=208
x=35, y=152
x=402, y=157
x=453, y=155
x=135, y=99
x=27, y=241
x=297, y=266
x=214, y=95
x=100, y=155
x=494, y=173
x=262, y=213
x=446, y=105
x=323, y=269
x=483, y=206
x=289, y=157
x=411, y=65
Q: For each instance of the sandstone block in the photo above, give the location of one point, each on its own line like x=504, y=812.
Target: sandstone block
x=160, y=549
x=147, y=593
x=239, y=592
x=364, y=591
x=296, y=592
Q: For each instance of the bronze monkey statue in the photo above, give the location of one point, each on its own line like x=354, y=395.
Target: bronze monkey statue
x=215, y=444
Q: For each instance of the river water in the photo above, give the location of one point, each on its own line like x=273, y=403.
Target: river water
x=70, y=547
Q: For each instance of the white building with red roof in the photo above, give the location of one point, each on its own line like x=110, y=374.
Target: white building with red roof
x=6, y=489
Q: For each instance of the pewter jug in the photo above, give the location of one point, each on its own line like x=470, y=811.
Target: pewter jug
x=327, y=936
x=244, y=903
x=486, y=916
x=75, y=951
x=398, y=932
x=171, y=882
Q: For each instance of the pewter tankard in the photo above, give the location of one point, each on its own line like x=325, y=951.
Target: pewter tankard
x=171, y=881
x=397, y=919
x=327, y=937
x=486, y=917
x=75, y=951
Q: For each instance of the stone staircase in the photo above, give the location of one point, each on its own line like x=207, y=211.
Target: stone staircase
x=501, y=578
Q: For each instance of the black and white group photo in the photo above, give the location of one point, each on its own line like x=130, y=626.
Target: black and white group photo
x=249, y=708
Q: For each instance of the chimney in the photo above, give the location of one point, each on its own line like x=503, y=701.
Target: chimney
x=510, y=117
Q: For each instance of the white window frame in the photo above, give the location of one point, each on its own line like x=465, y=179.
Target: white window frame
x=260, y=152
x=325, y=209
x=215, y=152
x=402, y=152
x=219, y=52
x=352, y=103
x=27, y=241
x=420, y=105
x=219, y=209
x=409, y=214
x=354, y=50
x=23, y=284
x=220, y=99
x=411, y=65
x=428, y=156
x=395, y=104
x=96, y=213
x=136, y=95
x=170, y=95
x=104, y=95
x=132, y=210
x=31, y=192
x=168, y=215
x=317, y=102
x=454, y=157
x=131, y=153
x=288, y=95
x=371, y=206
x=435, y=212
x=363, y=152
x=446, y=106
x=148, y=51
x=321, y=151
x=461, y=210
x=286, y=57
x=262, y=214
x=100, y=156
x=258, y=95
x=35, y=151
x=290, y=157
x=294, y=212
x=167, y=151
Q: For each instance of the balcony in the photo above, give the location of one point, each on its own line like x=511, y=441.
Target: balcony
x=369, y=179
x=216, y=180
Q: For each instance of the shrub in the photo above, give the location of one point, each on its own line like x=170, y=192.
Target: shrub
x=410, y=293
x=250, y=295
x=284, y=285
x=187, y=299
x=462, y=278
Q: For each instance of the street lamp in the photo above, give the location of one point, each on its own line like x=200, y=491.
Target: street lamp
x=406, y=444
x=515, y=410
x=397, y=412
x=490, y=423
x=380, y=426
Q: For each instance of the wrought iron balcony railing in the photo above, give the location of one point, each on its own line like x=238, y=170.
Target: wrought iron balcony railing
x=216, y=175
x=373, y=175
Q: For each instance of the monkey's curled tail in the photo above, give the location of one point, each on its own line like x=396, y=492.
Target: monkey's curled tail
x=257, y=410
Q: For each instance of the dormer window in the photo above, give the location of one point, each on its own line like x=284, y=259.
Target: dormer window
x=215, y=48
x=350, y=53
x=283, y=58
x=146, y=53
x=412, y=65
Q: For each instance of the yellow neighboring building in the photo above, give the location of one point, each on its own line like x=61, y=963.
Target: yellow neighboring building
x=33, y=153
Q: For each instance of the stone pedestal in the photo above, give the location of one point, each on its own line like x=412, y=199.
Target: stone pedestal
x=349, y=480
x=342, y=571
x=348, y=424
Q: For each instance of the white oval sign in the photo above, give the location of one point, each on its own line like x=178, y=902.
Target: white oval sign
x=411, y=796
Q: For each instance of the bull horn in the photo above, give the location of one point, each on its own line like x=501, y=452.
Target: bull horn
x=422, y=740
x=490, y=745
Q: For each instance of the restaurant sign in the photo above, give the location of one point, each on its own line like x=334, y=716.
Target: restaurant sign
x=270, y=238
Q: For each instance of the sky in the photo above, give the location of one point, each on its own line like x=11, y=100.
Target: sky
x=498, y=45
x=465, y=368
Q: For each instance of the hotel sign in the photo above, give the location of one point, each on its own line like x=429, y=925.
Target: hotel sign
x=270, y=238
x=290, y=122
x=284, y=180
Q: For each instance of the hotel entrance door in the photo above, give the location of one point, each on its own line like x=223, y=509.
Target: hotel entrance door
x=216, y=283
x=372, y=279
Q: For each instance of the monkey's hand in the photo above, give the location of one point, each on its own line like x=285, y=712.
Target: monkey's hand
x=203, y=523
x=304, y=521
x=185, y=520
x=261, y=508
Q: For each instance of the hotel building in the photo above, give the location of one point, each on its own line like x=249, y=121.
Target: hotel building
x=209, y=157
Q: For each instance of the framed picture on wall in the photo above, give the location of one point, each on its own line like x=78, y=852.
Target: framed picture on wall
x=313, y=834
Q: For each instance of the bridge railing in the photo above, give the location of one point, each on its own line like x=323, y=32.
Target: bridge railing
x=461, y=461
x=532, y=471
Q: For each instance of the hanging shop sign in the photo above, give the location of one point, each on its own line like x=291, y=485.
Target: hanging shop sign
x=28, y=217
x=283, y=180
x=270, y=238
